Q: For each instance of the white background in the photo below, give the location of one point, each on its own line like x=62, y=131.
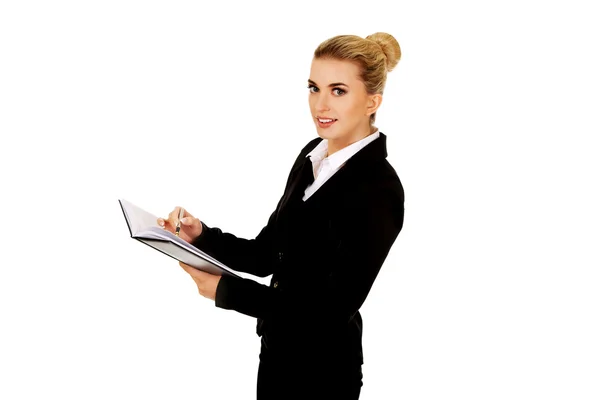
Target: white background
x=491, y=290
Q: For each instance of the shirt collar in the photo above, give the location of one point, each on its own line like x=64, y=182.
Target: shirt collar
x=341, y=156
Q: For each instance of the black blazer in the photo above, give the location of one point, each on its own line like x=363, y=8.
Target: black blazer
x=324, y=255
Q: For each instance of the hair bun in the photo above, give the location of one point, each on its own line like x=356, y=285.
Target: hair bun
x=390, y=48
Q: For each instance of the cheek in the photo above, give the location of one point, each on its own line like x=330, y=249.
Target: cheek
x=350, y=109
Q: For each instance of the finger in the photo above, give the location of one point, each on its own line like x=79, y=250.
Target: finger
x=188, y=221
x=174, y=215
x=171, y=221
x=165, y=223
x=186, y=267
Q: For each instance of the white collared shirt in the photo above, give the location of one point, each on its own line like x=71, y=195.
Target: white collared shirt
x=325, y=167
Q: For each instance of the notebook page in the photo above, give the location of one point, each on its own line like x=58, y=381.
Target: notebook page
x=138, y=219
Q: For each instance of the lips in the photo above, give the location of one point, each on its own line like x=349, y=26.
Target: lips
x=325, y=122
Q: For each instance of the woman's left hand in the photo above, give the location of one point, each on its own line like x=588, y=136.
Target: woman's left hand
x=207, y=283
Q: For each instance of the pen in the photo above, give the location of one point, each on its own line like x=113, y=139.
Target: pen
x=179, y=221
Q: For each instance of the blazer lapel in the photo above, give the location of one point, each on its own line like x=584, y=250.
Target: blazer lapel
x=295, y=182
x=374, y=151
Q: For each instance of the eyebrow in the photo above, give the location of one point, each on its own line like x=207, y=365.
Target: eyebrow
x=330, y=85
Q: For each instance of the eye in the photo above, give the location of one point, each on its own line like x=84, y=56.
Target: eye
x=313, y=89
x=339, y=91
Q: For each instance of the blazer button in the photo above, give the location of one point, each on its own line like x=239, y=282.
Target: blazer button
x=280, y=255
x=275, y=284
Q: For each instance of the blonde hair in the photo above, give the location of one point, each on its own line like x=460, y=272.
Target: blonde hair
x=375, y=56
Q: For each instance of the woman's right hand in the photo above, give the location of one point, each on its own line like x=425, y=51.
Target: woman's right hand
x=190, y=227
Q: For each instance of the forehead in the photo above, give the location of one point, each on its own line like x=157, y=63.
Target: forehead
x=326, y=71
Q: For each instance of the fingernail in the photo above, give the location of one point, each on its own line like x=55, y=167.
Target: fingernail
x=161, y=222
x=184, y=221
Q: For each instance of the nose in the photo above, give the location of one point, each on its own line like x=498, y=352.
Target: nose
x=322, y=103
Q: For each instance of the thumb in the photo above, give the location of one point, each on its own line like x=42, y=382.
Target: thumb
x=187, y=221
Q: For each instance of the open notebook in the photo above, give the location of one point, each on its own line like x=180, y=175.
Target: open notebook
x=143, y=227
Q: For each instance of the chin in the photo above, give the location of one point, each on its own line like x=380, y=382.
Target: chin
x=327, y=133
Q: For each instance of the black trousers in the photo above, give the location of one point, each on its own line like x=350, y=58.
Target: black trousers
x=291, y=377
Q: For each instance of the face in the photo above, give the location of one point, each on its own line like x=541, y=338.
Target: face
x=339, y=103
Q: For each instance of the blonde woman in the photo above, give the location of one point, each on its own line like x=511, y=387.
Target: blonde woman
x=326, y=240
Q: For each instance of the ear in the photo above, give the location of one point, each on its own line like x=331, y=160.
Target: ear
x=373, y=103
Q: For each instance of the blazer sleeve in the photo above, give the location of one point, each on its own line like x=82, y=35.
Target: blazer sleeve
x=245, y=255
x=365, y=243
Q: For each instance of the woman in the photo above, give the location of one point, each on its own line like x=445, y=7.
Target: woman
x=341, y=211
